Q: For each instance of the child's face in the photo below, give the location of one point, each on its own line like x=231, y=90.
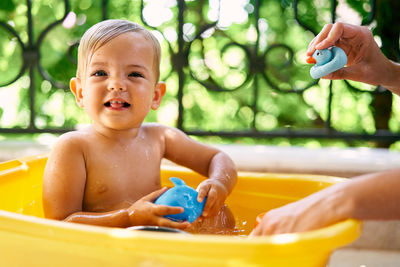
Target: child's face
x=120, y=85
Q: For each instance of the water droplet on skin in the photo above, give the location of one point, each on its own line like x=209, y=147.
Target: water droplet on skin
x=146, y=152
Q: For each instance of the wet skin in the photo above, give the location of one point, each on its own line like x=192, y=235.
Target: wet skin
x=109, y=173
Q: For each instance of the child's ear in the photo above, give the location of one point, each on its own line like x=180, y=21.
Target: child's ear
x=76, y=88
x=159, y=92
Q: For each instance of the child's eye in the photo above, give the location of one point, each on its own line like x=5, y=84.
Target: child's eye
x=99, y=73
x=135, y=74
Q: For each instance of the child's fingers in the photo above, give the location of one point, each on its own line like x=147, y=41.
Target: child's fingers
x=202, y=190
x=168, y=223
x=211, y=200
x=162, y=210
x=154, y=195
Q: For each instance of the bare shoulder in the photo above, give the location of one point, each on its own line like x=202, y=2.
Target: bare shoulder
x=69, y=150
x=64, y=177
x=72, y=141
x=158, y=129
x=73, y=136
x=153, y=126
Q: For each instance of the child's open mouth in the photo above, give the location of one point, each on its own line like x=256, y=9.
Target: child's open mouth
x=117, y=104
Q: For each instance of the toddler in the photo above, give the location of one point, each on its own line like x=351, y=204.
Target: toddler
x=109, y=173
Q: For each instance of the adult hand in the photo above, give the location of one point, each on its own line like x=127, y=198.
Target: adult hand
x=315, y=211
x=366, y=63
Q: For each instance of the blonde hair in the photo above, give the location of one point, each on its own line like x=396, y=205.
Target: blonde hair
x=102, y=32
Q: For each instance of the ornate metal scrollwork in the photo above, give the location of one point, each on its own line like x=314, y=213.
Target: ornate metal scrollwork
x=255, y=68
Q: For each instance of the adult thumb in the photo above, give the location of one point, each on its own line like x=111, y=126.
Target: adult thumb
x=347, y=73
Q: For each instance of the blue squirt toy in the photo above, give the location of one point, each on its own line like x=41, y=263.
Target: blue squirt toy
x=182, y=196
x=327, y=61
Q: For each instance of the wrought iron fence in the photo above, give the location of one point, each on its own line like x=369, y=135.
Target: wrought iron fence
x=266, y=69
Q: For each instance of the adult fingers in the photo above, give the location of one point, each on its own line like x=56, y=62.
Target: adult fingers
x=349, y=73
x=256, y=231
x=333, y=35
x=264, y=228
x=321, y=36
x=284, y=226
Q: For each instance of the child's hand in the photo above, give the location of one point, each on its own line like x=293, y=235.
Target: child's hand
x=145, y=212
x=216, y=193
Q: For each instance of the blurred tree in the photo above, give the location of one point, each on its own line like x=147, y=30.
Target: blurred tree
x=229, y=65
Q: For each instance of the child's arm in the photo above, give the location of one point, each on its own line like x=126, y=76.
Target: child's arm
x=207, y=161
x=63, y=191
x=222, y=178
x=367, y=197
x=142, y=212
x=64, y=178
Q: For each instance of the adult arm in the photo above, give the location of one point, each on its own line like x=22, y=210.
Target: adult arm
x=367, y=197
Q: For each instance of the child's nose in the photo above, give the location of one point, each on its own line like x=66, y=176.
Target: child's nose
x=116, y=86
x=112, y=88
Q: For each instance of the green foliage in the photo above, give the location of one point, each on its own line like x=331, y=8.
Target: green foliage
x=362, y=7
x=225, y=63
x=7, y=5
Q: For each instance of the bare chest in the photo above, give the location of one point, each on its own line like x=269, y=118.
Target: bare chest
x=120, y=176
